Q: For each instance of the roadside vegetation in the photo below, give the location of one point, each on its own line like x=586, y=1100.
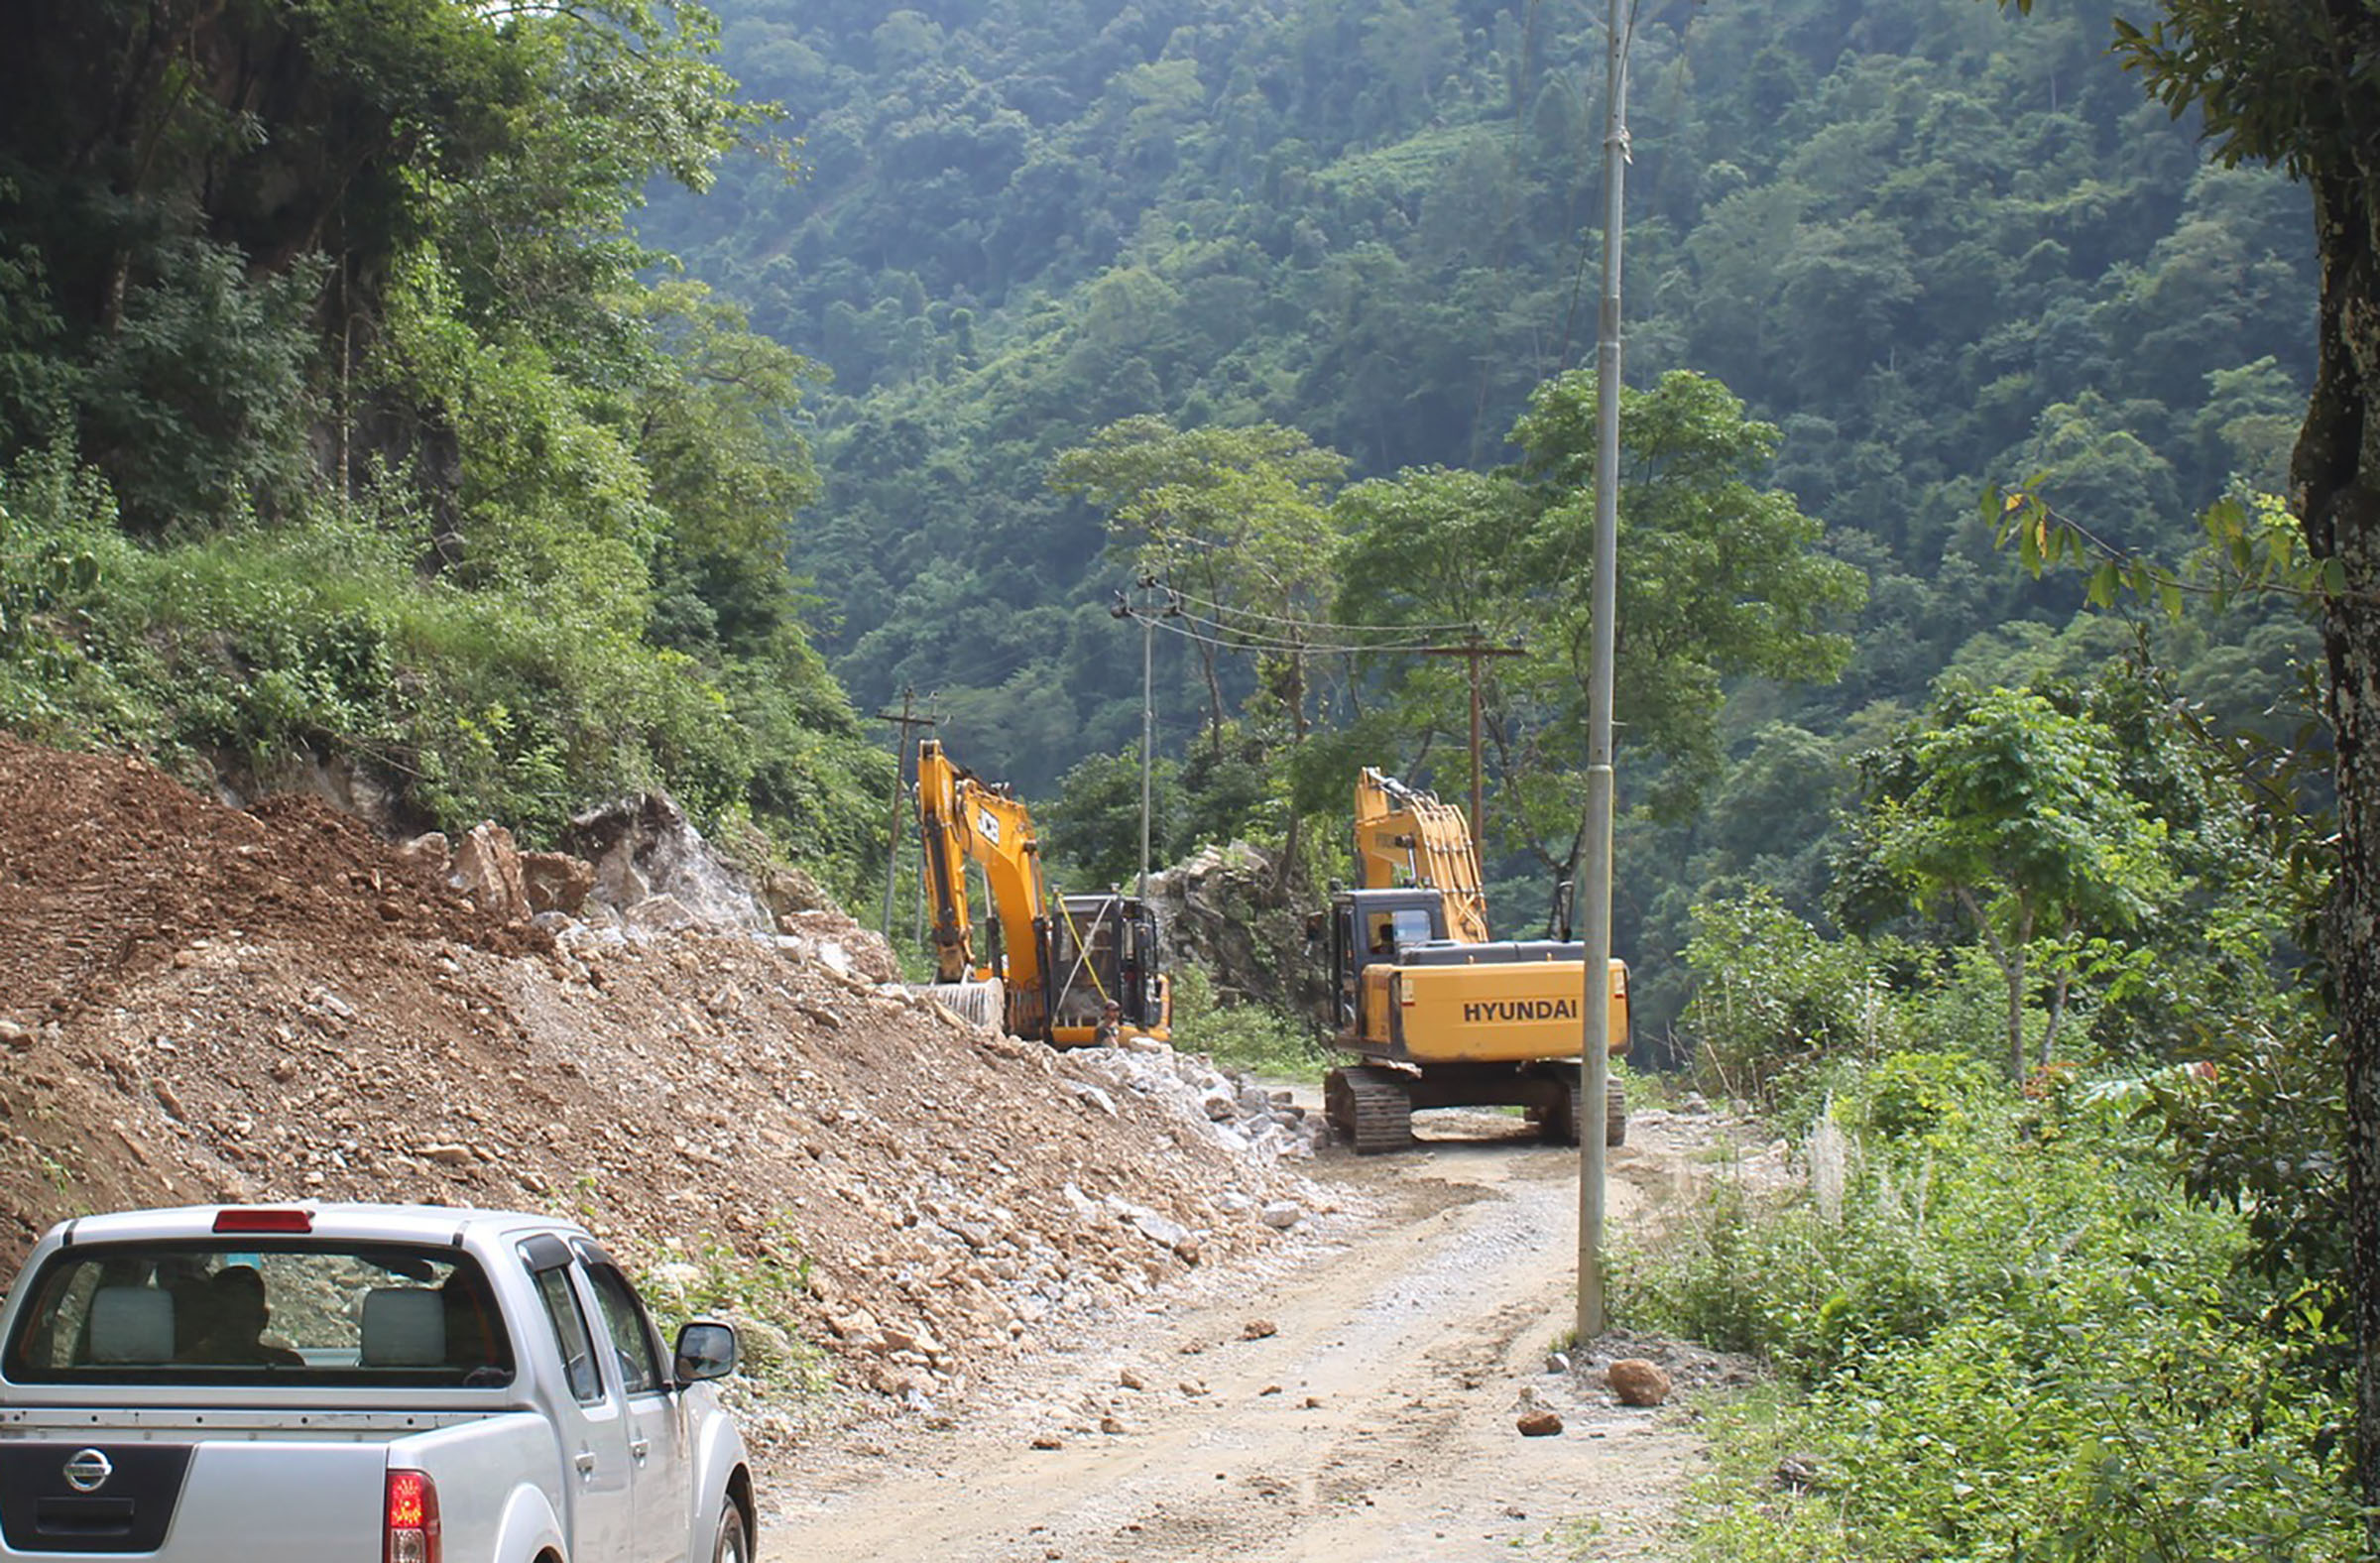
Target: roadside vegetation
x=2060, y=1270
x=2001, y=1330
x=1251, y=1038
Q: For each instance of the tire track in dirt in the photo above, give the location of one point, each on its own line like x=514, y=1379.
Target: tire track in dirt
x=1370, y=1417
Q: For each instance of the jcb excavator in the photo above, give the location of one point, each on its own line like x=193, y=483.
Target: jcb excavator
x=1443, y=1015
x=1052, y=966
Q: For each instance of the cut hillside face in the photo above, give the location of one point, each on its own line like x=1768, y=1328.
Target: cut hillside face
x=199, y=1003
x=1226, y=909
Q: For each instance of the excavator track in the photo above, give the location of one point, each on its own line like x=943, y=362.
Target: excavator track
x=1559, y=1122
x=1372, y=1108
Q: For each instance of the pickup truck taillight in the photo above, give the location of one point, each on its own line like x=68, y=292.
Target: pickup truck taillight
x=411, y=1528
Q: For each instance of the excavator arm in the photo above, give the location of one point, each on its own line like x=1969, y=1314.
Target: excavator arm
x=1405, y=836
x=964, y=819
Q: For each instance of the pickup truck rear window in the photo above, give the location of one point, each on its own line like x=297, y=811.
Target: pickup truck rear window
x=259, y=1311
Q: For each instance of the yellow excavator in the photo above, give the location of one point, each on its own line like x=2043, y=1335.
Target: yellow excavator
x=1441, y=1014
x=1052, y=965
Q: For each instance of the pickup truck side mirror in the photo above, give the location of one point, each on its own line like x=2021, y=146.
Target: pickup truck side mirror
x=706, y=1349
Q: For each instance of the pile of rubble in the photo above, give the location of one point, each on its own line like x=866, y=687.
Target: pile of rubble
x=713, y=1070
x=645, y=871
x=1243, y=1114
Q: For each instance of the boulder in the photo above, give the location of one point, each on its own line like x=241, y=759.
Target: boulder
x=1226, y=909
x=1636, y=1382
x=555, y=882
x=642, y=848
x=487, y=868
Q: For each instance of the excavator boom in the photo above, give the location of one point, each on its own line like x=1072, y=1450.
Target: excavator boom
x=964, y=819
x=1405, y=836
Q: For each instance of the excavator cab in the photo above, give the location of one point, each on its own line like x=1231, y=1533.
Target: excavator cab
x=1368, y=925
x=1105, y=948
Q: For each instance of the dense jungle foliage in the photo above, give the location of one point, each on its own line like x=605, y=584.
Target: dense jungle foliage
x=347, y=430
x=1259, y=326
x=1909, y=248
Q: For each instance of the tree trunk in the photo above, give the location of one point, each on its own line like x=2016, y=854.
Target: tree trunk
x=2058, y=993
x=2336, y=473
x=2009, y=957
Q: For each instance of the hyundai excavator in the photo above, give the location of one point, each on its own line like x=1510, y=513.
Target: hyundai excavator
x=1051, y=965
x=1441, y=1014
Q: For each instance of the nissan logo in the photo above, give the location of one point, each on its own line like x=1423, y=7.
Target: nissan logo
x=88, y=1470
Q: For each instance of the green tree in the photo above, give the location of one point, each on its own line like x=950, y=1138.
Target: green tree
x=2288, y=84
x=2013, y=811
x=1720, y=578
x=1237, y=516
x=1236, y=522
x=1094, y=825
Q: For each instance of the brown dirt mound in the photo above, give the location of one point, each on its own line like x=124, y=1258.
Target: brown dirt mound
x=209, y=1005
x=107, y=868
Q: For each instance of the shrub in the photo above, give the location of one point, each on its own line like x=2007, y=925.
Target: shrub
x=2001, y=1345
x=1772, y=999
x=1910, y=1096
x=1250, y=1036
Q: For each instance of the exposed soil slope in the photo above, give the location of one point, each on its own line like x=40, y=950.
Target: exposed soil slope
x=199, y=1003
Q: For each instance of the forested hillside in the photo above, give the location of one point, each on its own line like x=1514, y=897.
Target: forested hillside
x=1997, y=890
x=1929, y=247
x=345, y=440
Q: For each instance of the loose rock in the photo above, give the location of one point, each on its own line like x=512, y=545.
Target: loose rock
x=1636, y=1382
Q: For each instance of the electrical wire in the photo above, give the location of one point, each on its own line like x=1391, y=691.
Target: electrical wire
x=1282, y=633
x=1223, y=638
x=1222, y=608
x=1334, y=636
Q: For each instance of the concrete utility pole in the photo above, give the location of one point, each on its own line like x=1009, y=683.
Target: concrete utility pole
x=1472, y=648
x=1594, y=890
x=901, y=722
x=1148, y=708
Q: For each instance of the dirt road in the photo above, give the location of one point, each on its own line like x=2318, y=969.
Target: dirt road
x=1359, y=1404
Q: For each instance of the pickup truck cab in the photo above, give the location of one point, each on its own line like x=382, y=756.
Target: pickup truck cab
x=413, y=1384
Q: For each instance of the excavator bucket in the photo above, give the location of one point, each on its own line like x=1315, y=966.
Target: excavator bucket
x=979, y=1002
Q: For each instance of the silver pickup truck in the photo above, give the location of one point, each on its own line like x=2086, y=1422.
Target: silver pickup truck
x=407, y=1384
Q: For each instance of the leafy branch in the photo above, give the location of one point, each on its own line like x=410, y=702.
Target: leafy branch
x=2254, y=547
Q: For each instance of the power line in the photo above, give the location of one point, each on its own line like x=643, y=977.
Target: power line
x=1234, y=641
x=1224, y=638
x=1309, y=624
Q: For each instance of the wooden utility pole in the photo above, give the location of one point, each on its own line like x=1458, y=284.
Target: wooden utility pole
x=1472, y=649
x=901, y=721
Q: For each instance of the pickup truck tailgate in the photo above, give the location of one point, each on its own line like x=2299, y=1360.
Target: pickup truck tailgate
x=190, y=1501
